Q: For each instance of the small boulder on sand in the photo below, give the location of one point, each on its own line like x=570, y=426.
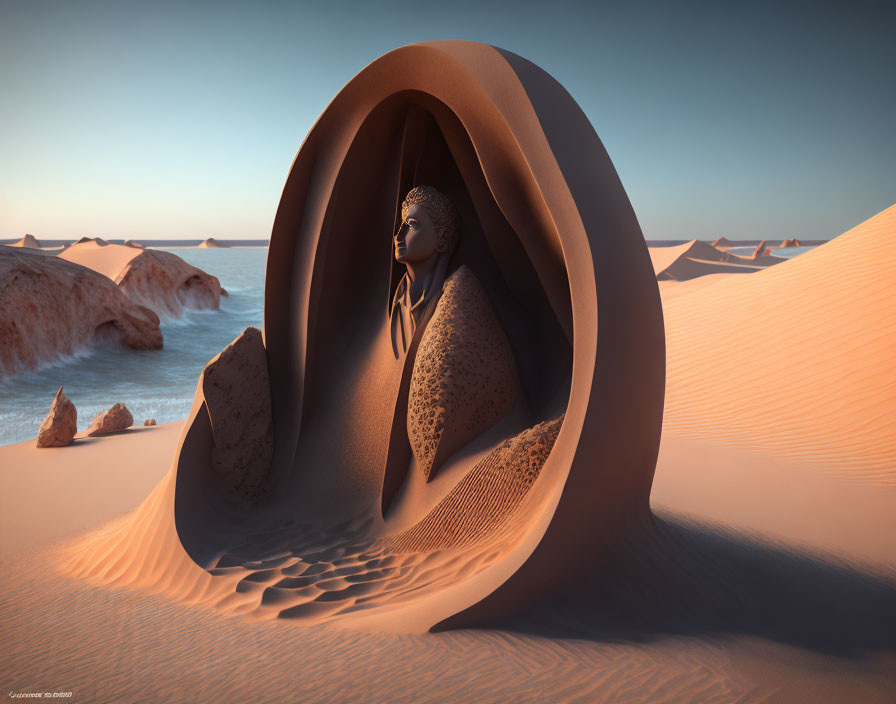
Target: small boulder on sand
x=238, y=400
x=792, y=242
x=149, y=421
x=60, y=425
x=116, y=418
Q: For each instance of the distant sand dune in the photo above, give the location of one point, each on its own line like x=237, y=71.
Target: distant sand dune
x=695, y=259
x=28, y=241
x=799, y=359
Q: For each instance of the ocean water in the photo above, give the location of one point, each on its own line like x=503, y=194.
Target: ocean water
x=156, y=384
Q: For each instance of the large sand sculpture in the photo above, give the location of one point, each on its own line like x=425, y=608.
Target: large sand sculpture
x=387, y=485
x=158, y=280
x=50, y=307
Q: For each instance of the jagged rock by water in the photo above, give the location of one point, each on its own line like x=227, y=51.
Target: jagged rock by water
x=115, y=419
x=159, y=280
x=792, y=242
x=243, y=430
x=61, y=423
x=149, y=421
x=50, y=307
x=761, y=250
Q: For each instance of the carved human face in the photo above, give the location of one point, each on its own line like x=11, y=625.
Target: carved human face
x=417, y=239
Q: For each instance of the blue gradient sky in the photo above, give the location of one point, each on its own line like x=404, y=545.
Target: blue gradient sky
x=181, y=119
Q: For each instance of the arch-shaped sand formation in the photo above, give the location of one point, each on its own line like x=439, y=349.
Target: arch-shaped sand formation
x=284, y=487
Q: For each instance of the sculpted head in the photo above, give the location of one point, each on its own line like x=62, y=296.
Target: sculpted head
x=430, y=226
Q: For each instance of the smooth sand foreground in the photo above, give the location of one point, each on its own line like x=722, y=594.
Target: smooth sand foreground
x=747, y=599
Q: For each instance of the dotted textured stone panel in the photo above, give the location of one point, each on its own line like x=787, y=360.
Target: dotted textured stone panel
x=237, y=396
x=464, y=378
x=477, y=509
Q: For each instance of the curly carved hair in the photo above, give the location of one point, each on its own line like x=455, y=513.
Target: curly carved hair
x=440, y=210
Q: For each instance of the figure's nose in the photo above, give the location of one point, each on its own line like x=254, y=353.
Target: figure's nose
x=402, y=231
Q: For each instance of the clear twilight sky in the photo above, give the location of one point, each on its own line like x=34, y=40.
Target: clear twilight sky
x=181, y=119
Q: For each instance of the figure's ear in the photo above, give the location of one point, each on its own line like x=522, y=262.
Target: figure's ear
x=442, y=241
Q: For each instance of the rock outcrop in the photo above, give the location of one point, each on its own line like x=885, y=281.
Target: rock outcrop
x=792, y=242
x=28, y=241
x=243, y=432
x=114, y=420
x=761, y=250
x=149, y=421
x=61, y=423
x=131, y=243
x=159, y=280
x=50, y=307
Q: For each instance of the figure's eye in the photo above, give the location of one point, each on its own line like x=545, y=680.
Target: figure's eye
x=411, y=222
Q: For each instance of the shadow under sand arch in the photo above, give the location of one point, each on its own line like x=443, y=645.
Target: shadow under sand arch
x=552, y=239
x=697, y=579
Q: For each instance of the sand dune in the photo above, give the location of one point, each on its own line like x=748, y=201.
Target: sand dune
x=161, y=281
x=723, y=243
x=28, y=241
x=797, y=359
x=695, y=259
x=210, y=243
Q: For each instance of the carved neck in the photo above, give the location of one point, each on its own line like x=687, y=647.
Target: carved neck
x=420, y=277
